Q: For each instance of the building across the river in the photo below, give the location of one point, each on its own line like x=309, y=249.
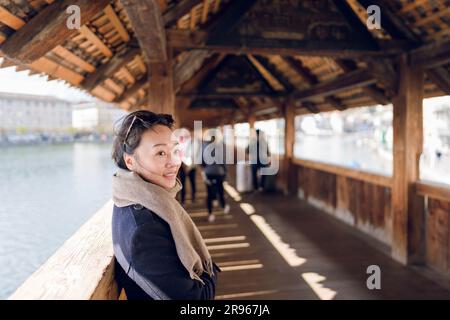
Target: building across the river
x=95, y=116
x=31, y=113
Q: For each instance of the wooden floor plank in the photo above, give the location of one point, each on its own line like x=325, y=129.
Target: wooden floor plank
x=332, y=251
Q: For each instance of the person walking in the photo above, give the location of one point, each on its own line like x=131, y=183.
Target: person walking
x=213, y=174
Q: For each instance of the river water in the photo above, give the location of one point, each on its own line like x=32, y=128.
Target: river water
x=47, y=193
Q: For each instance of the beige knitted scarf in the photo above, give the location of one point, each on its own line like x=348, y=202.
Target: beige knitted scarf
x=129, y=188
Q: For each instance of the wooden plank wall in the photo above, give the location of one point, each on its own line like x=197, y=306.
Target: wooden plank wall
x=438, y=235
x=361, y=204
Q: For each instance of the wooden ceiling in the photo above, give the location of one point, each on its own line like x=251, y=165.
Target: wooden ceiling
x=221, y=60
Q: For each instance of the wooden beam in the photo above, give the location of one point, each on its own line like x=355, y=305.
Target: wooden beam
x=53, y=69
x=355, y=23
x=127, y=74
x=407, y=209
x=148, y=24
x=350, y=80
x=47, y=30
x=127, y=94
x=103, y=93
x=391, y=21
x=271, y=74
x=10, y=19
x=185, y=69
x=376, y=94
x=431, y=55
x=96, y=41
x=182, y=8
x=192, y=84
x=433, y=190
x=376, y=179
x=441, y=77
x=196, y=95
x=73, y=58
x=384, y=72
x=188, y=39
x=301, y=70
x=117, y=23
x=230, y=17
x=114, y=86
x=141, y=64
x=108, y=69
x=161, y=92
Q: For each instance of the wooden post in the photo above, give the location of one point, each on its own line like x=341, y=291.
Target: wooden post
x=251, y=120
x=407, y=208
x=161, y=90
x=290, y=169
x=147, y=21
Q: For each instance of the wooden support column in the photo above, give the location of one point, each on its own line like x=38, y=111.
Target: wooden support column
x=251, y=120
x=148, y=24
x=407, y=208
x=161, y=91
x=290, y=169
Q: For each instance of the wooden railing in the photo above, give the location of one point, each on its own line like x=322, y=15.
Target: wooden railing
x=82, y=269
x=433, y=190
x=377, y=179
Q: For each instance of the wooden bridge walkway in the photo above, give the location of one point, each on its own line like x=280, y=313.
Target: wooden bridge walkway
x=278, y=247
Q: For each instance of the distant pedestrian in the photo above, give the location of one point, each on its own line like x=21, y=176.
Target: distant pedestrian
x=214, y=173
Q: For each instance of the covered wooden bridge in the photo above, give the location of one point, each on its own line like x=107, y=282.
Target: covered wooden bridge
x=230, y=61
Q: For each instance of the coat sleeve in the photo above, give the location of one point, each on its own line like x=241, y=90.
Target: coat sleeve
x=156, y=263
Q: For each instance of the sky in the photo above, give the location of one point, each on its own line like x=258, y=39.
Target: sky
x=21, y=82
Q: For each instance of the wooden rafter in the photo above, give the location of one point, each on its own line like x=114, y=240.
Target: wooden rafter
x=53, y=69
x=96, y=41
x=109, y=69
x=275, y=79
x=399, y=30
x=312, y=80
x=372, y=90
x=148, y=24
x=185, y=69
x=117, y=23
x=350, y=80
x=47, y=30
x=73, y=58
x=187, y=39
x=127, y=94
x=10, y=19
x=179, y=10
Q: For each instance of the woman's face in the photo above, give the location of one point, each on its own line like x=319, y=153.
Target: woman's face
x=157, y=158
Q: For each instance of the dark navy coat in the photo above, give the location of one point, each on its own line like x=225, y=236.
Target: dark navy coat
x=153, y=269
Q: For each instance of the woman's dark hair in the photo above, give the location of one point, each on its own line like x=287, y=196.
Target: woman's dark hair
x=129, y=131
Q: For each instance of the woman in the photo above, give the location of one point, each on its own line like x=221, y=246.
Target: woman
x=159, y=251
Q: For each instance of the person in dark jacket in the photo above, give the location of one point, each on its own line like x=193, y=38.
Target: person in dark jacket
x=259, y=156
x=160, y=254
x=214, y=173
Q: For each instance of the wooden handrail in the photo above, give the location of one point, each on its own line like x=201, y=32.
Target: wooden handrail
x=373, y=178
x=433, y=190
x=82, y=269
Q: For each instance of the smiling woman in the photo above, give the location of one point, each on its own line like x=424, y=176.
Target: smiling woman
x=159, y=250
